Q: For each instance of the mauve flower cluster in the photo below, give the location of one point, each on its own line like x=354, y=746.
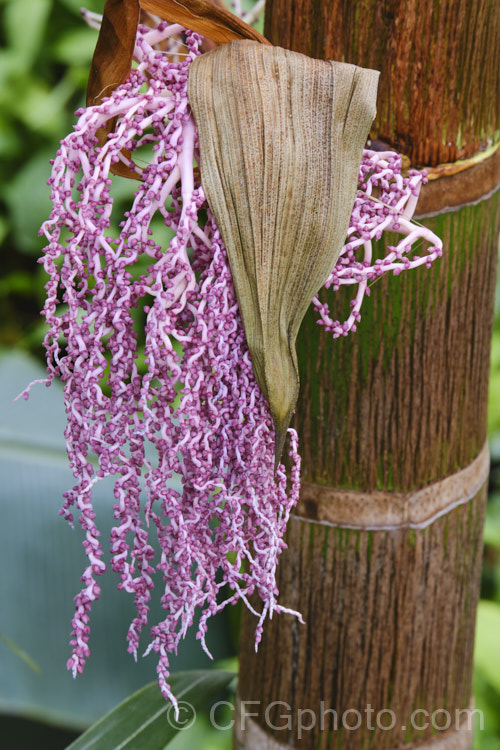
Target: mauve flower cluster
x=390, y=211
x=194, y=398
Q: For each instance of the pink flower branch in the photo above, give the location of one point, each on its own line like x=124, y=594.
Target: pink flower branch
x=200, y=408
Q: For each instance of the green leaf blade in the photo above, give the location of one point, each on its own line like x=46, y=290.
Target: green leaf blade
x=146, y=721
x=487, y=654
x=20, y=652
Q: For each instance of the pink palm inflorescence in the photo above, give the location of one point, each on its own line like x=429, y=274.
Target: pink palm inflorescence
x=195, y=399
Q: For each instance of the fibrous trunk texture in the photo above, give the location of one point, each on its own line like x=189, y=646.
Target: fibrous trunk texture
x=385, y=549
x=389, y=628
x=439, y=72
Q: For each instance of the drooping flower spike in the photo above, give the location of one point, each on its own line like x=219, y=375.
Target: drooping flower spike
x=198, y=406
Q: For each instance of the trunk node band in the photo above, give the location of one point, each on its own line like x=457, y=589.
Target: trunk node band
x=449, y=190
x=379, y=510
x=248, y=735
x=393, y=606
x=461, y=165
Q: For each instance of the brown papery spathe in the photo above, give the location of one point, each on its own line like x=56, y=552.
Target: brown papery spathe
x=281, y=139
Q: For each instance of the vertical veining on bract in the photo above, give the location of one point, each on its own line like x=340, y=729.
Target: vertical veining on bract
x=281, y=140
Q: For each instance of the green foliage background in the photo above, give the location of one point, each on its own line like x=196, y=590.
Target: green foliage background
x=44, y=61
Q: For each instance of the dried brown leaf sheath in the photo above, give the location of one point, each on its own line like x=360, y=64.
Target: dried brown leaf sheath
x=281, y=139
x=114, y=49
x=206, y=18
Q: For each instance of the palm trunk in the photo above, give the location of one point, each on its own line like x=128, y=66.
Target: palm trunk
x=384, y=552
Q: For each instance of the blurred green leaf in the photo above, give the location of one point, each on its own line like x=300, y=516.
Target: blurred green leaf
x=75, y=5
x=203, y=735
x=17, y=282
x=486, y=700
x=9, y=69
x=4, y=228
x=494, y=392
x=492, y=522
x=76, y=47
x=487, y=677
x=42, y=108
x=26, y=658
x=10, y=143
x=487, y=653
x=28, y=199
x=25, y=22
x=147, y=721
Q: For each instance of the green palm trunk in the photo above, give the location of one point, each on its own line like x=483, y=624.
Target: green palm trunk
x=385, y=550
